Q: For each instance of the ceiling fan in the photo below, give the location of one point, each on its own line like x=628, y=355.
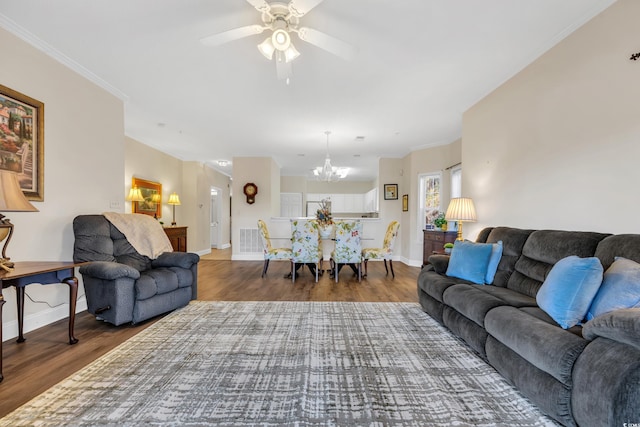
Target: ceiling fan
x=282, y=19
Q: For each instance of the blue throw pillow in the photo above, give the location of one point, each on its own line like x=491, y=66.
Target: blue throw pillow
x=494, y=260
x=620, y=288
x=569, y=288
x=469, y=261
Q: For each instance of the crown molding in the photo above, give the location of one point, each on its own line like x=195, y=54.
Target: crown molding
x=20, y=32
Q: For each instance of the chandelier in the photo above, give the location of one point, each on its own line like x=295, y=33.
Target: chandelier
x=327, y=172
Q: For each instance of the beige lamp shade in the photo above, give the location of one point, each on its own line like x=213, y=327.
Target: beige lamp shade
x=135, y=195
x=174, y=199
x=461, y=209
x=12, y=198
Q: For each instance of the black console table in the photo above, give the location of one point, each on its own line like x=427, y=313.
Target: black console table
x=26, y=273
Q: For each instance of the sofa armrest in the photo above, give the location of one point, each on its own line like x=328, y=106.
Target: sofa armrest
x=440, y=263
x=618, y=325
x=175, y=259
x=106, y=270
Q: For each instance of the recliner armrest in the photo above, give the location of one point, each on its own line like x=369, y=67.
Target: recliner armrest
x=619, y=325
x=440, y=263
x=175, y=259
x=106, y=270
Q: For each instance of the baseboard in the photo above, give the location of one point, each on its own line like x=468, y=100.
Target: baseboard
x=225, y=246
x=40, y=319
x=204, y=252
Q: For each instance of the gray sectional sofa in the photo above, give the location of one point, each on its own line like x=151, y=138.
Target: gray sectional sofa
x=587, y=375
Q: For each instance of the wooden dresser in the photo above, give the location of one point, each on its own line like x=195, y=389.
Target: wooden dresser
x=178, y=237
x=434, y=242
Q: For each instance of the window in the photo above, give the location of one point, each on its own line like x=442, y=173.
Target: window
x=429, y=201
x=456, y=181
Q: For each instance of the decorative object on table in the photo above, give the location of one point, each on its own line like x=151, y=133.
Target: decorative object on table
x=22, y=141
x=271, y=253
x=323, y=215
x=12, y=199
x=327, y=172
x=391, y=191
x=250, y=190
x=461, y=209
x=151, y=193
x=441, y=222
x=174, y=200
x=448, y=247
x=386, y=251
x=405, y=203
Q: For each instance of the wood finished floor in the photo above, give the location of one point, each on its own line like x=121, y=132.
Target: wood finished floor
x=45, y=358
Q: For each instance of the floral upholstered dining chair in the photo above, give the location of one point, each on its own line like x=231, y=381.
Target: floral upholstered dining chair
x=305, y=244
x=386, y=251
x=348, y=248
x=269, y=251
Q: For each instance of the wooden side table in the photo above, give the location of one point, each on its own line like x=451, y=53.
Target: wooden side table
x=178, y=237
x=434, y=242
x=45, y=273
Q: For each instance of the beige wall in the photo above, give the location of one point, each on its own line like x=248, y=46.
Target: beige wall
x=557, y=146
x=192, y=181
x=84, y=166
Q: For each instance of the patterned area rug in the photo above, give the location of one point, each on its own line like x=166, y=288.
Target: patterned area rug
x=286, y=363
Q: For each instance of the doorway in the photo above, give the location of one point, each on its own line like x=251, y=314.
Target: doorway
x=215, y=217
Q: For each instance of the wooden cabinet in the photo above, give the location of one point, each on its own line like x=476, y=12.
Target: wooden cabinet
x=434, y=242
x=178, y=238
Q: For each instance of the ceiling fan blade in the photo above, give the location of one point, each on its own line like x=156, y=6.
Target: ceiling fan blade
x=301, y=7
x=260, y=5
x=231, y=35
x=328, y=43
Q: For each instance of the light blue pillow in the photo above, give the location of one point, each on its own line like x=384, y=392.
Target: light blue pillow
x=469, y=261
x=620, y=288
x=569, y=288
x=494, y=260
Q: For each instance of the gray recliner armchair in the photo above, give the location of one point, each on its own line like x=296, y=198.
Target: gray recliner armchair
x=123, y=286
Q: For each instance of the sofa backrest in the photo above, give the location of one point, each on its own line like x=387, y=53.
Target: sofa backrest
x=513, y=240
x=96, y=239
x=619, y=245
x=542, y=250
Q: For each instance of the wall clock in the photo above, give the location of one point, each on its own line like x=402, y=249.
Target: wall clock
x=250, y=190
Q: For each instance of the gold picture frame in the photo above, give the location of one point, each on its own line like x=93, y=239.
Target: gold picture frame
x=405, y=203
x=152, y=194
x=22, y=141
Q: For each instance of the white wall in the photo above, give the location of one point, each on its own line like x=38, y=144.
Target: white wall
x=84, y=166
x=557, y=146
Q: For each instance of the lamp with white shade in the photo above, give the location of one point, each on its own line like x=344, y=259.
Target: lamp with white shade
x=174, y=200
x=12, y=199
x=461, y=209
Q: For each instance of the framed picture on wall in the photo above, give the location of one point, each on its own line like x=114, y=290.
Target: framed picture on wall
x=391, y=191
x=22, y=141
x=152, y=194
x=405, y=203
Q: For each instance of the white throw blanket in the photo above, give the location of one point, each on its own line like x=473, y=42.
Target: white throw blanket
x=143, y=232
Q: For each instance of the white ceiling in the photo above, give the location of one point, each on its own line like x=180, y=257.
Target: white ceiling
x=420, y=64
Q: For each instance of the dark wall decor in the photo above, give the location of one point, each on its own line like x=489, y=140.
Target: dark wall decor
x=635, y=56
x=391, y=191
x=22, y=140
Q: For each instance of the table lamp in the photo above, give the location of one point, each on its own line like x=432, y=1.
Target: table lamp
x=174, y=200
x=12, y=199
x=461, y=209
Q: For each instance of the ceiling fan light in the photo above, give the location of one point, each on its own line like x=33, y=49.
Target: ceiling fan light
x=266, y=48
x=291, y=53
x=280, y=39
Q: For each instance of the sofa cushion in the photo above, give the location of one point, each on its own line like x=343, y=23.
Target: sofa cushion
x=513, y=240
x=619, y=245
x=434, y=284
x=494, y=260
x=542, y=250
x=568, y=290
x=620, y=288
x=620, y=325
x=469, y=261
x=539, y=313
x=547, y=347
x=474, y=301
